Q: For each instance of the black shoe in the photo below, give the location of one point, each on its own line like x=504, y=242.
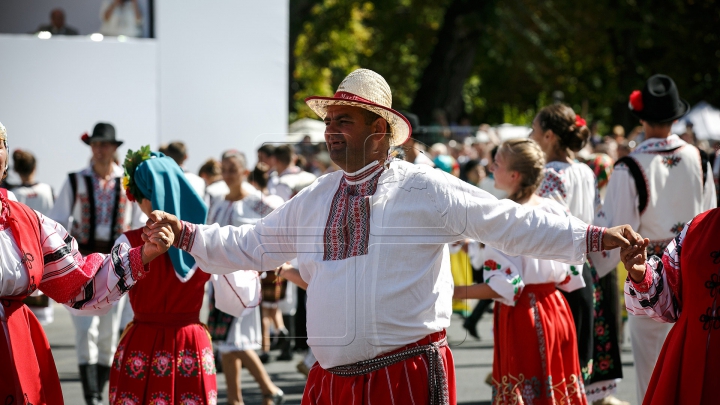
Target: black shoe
x=103, y=376
x=264, y=357
x=278, y=397
x=471, y=328
x=89, y=380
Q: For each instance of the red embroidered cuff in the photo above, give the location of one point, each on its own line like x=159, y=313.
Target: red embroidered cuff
x=644, y=285
x=594, y=238
x=139, y=270
x=185, y=240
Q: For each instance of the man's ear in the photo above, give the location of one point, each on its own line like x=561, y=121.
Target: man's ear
x=380, y=126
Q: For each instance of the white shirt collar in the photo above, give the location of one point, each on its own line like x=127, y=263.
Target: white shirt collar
x=364, y=174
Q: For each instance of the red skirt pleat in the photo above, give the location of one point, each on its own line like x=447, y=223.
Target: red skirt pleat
x=162, y=366
x=536, y=356
x=403, y=383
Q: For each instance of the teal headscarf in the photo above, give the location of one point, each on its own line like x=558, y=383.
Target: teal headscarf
x=162, y=182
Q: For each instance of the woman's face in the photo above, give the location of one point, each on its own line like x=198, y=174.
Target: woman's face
x=545, y=139
x=232, y=173
x=3, y=159
x=505, y=179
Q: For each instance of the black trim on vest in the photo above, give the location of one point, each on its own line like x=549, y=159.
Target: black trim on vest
x=704, y=160
x=90, y=190
x=639, y=177
x=113, y=223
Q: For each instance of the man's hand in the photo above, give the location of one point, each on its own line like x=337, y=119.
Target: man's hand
x=621, y=236
x=634, y=258
x=157, y=219
x=157, y=242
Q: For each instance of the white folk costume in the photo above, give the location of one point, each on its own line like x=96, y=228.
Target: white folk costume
x=291, y=181
x=37, y=253
x=535, y=356
x=574, y=186
x=38, y=196
x=674, y=192
x=350, y=231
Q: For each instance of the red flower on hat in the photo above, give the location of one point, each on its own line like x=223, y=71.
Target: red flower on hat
x=636, y=101
x=85, y=137
x=580, y=121
x=129, y=195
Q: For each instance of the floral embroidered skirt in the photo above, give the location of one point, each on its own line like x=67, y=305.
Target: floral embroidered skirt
x=163, y=365
x=536, y=356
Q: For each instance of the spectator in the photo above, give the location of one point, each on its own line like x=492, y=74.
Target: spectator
x=121, y=17
x=178, y=152
x=57, y=24
x=38, y=196
x=266, y=154
x=210, y=172
x=292, y=179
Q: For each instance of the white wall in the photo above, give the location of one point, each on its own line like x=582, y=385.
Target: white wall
x=52, y=91
x=223, y=75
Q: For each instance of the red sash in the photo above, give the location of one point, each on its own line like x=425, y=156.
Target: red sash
x=32, y=378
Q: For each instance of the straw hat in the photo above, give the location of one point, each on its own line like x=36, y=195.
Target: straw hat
x=366, y=89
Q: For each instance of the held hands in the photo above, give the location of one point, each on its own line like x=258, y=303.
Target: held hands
x=634, y=257
x=158, y=219
x=621, y=236
x=157, y=242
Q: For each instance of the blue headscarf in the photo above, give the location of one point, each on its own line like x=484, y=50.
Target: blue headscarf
x=162, y=182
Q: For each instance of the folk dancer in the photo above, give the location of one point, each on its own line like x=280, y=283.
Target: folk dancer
x=373, y=237
x=657, y=189
x=37, y=253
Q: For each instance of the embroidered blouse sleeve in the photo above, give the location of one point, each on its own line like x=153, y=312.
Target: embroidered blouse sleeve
x=620, y=207
x=658, y=295
x=263, y=246
x=502, y=273
x=93, y=282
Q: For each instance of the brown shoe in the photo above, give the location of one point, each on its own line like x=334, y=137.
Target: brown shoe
x=610, y=400
x=303, y=369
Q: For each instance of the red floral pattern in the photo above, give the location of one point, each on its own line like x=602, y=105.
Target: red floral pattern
x=187, y=363
x=136, y=365
x=160, y=398
x=190, y=399
x=162, y=364
x=208, y=361
x=127, y=398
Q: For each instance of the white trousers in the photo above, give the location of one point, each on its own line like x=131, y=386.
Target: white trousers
x=96, y=337
x=647, y=337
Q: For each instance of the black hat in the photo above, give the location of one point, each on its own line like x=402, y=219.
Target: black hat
x=658, y=101
x=102, y=132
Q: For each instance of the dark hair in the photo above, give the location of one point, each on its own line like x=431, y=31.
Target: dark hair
x=23, y=162
x=176, y=150
x=237, y=155
x=260, y=175
x=211, y=167
x=267, y=149
x=468, y=166
x=370, y=117
x=283, y=154
x=560, y=119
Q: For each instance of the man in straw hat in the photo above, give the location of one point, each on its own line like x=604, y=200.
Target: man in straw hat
x=371, y=242
x=93, y=199
x=657, y=189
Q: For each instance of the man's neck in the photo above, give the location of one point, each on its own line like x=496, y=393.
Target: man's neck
x=27, y=178
x=657, y=134
x=103, y=170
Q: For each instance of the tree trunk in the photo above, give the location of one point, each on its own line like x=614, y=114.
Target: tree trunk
x=452, y=61
x=299, y=13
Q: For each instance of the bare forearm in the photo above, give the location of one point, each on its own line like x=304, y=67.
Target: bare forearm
x=293, y=275
x=475, y=291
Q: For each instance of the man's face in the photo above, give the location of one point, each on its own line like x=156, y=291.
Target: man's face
x=103, y=152
x=346, y=136
x=57, y=18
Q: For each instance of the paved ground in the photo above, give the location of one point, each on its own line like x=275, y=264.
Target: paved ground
x=473, y=361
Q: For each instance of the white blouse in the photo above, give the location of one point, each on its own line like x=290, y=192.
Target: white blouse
x=573, y=186
x=38, y=196
x=508, y=275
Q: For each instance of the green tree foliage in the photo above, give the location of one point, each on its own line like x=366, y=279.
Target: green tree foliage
x=595, y=53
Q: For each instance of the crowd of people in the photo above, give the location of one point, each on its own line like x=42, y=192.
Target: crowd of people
x=117, y=18
x=357, y=243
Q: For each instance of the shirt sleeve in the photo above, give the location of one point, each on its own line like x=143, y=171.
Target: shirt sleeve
x=236, y=293
x=502, y=273
x=62, y=210
x=263, y=246
x=709, y=191
x=658, y=294
x=620, y=208
x=91, y=283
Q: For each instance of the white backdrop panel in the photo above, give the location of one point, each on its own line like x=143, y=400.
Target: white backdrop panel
x=51, y=91
x=223, y=75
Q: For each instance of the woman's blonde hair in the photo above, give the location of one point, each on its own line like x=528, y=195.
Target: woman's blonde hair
x=525, y=157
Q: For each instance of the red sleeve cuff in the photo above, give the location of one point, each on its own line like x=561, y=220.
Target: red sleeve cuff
x=644, y=285
x=185, y=240
x=139, y=270
x=594, y=238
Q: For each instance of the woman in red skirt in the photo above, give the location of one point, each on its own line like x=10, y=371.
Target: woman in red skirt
x=536, y=358
x=688, y=369
x=165, y=355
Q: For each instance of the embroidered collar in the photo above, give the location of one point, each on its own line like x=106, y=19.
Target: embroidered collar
x=364, y=174
x=5, y=213
x=658, y=145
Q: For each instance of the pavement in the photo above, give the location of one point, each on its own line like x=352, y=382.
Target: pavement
x=473, y=361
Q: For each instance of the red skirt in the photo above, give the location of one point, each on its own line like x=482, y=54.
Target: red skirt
x=405, y=382
x=164, y=359
x=536, y=355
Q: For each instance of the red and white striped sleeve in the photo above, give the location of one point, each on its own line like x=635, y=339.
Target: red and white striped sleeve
x=93, y=282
